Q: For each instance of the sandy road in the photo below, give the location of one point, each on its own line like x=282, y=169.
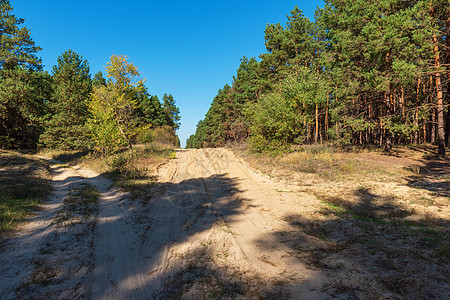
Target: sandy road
x=214, y=228
x=211, y=229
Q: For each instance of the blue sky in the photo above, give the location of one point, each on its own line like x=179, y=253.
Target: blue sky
x=190, y=49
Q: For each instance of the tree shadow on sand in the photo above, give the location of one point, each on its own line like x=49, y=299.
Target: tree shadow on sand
x=432, y=175
x=369, y=250
x=182, y=246
x=185, y=244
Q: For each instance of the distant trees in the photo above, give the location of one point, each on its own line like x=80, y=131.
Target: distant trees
x=149, y=110
x=68, y=109
x=98, y=79
x=361, y=73
x=171, y=112
x=121, y=108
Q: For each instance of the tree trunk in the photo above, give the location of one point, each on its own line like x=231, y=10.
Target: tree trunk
x=326, y=119
x=440, y=100
x=416, y=114
x=447, y=63
x=433, y=126
x=439, y=94
x=316, y=135
x=388, y=145
x=424, y=128
x=402, y=102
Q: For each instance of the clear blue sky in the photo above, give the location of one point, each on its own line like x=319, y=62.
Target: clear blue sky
x=187, y=48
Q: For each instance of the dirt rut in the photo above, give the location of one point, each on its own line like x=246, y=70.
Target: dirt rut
x=210, y=229
x=213, y=232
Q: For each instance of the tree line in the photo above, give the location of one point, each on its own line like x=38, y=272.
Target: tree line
x=363, y=72
x=68, y=109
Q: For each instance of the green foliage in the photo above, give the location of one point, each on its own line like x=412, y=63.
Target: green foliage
x=260, y=144
x=361, y=73
x=161, y=135
x=16, y=46
x=23, y=93
x=196, y=140
x=98, y=79
x=149, y=110
x=112, y=107
x=171, y=112
x=275, y=119
x=23, y=87
x=71, y=90
x=289, y=46
x=144, y=135
x=105, y=134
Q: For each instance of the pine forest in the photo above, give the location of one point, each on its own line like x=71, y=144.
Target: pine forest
x=361, y=73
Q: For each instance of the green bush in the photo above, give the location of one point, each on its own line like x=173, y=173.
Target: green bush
x=145, y=135
x=165, y=135
x=160, y=135
x=273, y=148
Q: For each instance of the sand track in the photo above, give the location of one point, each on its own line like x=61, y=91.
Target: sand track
x=211, y=229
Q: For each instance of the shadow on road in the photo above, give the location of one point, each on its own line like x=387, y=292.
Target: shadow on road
x=432, y=175
x=179, y=242
x=367, y=249
x=186, y=246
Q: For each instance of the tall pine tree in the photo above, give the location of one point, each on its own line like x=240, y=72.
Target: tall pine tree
x=23, y=86
x=69, y=105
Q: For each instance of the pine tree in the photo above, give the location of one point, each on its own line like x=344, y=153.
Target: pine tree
x=149, y=110
x=171, y=112
x=16, y=46
x=98, y=79
x=72, y=87
x=23, y=87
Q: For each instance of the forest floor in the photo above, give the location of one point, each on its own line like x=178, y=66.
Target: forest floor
x=217, y=227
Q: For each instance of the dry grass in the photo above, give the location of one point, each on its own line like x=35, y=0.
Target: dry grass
x=24, y=183
x=133, y=172
x=138, y=173
x=79, y=205
x=382, y=219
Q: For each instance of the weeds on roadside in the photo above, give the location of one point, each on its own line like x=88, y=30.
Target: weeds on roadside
x=134, y=172
x=138, y=173
x=24, y=183
x=79, y=204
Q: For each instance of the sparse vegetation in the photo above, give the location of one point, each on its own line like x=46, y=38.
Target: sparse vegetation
x=24, y=183
x=377, y=213
x=79, y=205
x=134, y=171
x=138, y=173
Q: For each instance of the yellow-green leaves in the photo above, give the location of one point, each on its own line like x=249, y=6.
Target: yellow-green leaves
x=112, y=124
x=105, y=135
x=122, y=73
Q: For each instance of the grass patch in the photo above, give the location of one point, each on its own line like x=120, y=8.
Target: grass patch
x=323, y=162
x=79, y=204
x=24, y=183
x=137, y=173
x=331, y=165
x=66, y=157
x=133, y=172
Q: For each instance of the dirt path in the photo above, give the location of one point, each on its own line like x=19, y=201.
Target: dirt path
x=211, y=231
x=51, y=253
x=213, y=228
